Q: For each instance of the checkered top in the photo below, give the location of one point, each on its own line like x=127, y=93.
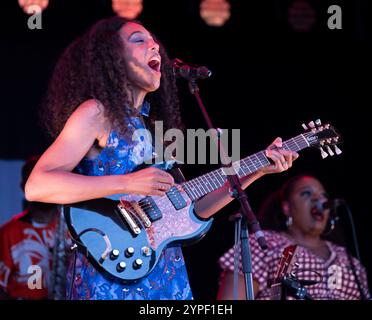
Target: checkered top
x=335, y=277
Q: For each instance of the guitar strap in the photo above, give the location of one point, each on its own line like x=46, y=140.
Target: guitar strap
x=177, y=174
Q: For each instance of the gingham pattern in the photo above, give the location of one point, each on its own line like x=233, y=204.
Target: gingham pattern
x=335, y=276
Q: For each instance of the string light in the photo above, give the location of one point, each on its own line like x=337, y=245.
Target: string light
x=215, y=12
x=129, y=9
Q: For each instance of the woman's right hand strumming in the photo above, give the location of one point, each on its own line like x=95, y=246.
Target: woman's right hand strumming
x=150, y=182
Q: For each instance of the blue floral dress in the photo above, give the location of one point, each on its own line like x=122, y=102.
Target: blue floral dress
x=168, y=280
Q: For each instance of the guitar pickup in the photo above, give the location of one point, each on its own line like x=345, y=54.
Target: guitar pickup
x=176, y=198
x=130, y=221
x=151, y=209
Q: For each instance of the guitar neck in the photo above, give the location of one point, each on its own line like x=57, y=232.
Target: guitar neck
x=276, y=291
x=202, y=185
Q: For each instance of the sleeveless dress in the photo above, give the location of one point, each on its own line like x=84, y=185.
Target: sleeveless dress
x=169, y=279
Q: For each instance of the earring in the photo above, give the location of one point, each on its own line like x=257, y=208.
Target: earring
x=333, y=222
x=332, y=225
x=289, y=221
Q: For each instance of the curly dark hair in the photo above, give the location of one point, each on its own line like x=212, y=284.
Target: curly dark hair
x=93, y=67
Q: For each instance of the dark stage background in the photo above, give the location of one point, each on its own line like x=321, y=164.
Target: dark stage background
x=267, y=80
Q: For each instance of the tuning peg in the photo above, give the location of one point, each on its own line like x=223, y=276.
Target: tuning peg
x=329, y=150
x=311, y=124
x=304, y=126
x=337, y=150
x=323, y=153
x=318, y=122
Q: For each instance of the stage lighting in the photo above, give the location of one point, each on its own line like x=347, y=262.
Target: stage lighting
x=129, y=9
x=301, y=16
x=215, y=12
x=26, y=5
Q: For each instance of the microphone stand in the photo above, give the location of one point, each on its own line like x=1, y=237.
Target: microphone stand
x=236, y=192
x=242, y=236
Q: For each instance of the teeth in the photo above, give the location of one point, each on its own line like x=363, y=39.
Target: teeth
x=155, y=59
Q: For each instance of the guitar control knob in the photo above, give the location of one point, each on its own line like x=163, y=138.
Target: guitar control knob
x=146, y=251
x=120, y=267
x=137, y=263
x=114, y=254
x=129, y=252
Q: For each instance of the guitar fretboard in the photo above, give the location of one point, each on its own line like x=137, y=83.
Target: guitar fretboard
x=200, y=186
x=276, y=291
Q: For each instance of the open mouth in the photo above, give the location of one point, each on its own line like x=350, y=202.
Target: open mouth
x=317, y=215
x=154, y=64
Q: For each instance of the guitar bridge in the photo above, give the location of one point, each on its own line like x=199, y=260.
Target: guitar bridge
x=141, y=214
x=130, y=221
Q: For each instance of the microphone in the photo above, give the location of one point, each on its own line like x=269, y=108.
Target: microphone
x=188, y=71
x=320, y=206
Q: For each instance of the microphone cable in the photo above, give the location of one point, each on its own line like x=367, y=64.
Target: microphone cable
x=353, y=230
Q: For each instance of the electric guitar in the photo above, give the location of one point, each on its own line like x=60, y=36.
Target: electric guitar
x=284, y=269
x=124, y=235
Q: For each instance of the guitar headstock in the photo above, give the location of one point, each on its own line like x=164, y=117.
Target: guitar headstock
x=286, y=263
x=323, y=136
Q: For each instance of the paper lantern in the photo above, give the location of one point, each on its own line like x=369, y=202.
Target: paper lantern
x=215, y=12
x=301, y=16
x=129, y=9
x=27, y=4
